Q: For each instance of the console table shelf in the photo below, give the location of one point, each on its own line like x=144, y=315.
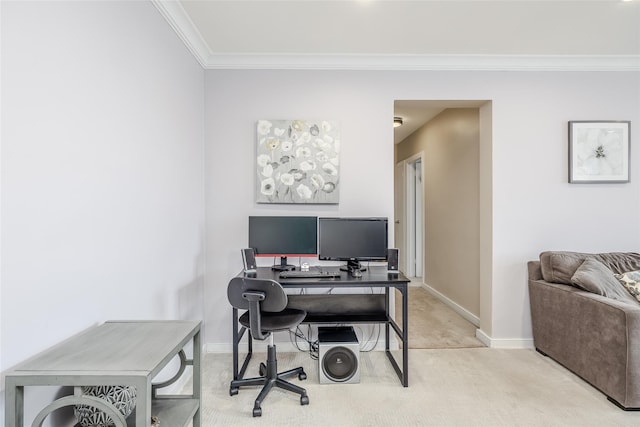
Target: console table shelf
x=172, y=412
x=126, y=353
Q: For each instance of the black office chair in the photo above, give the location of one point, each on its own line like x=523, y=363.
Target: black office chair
x=266, y=302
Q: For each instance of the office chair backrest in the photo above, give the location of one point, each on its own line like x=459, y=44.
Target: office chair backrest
x=256, y=295
x=275, y=297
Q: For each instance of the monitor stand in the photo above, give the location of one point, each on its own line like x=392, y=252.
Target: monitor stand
x=353, y=265
x=283, y=266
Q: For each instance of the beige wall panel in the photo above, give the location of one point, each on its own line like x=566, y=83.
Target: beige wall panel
x=451, y=192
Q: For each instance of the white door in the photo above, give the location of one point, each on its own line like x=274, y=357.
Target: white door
x=418, y=217
x=399, y=198
x=414, y=216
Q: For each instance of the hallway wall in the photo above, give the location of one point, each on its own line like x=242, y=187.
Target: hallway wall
x=450, y=143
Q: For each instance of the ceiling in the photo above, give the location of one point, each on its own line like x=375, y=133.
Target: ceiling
x=415, y=113
x=409, y=35
x=240, y=33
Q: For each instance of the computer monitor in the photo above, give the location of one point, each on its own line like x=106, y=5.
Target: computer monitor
x=352, y=240
x=283, y=236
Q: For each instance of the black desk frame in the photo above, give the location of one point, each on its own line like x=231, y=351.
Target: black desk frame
x=374, y=277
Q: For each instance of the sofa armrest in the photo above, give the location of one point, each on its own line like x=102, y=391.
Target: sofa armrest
x=535, y=270
x=595, y=337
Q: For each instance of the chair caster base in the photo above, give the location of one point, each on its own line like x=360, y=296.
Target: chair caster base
x=304, y=400
x=302, y=376
x=257, y=412
x=262, y=370
x=233, y=391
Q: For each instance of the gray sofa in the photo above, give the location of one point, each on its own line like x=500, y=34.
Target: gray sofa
x=595, y=333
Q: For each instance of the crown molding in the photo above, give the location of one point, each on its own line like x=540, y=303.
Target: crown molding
x=184, y=27
x=426, y=62
x=181, y=23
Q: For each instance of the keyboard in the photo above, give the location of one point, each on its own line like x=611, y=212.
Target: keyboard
x=311, y=274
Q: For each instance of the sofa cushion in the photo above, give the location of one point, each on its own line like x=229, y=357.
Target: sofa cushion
x=559, y=266
x=593, y=276
x=631, y=281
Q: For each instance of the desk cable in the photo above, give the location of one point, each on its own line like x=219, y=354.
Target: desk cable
x=313, y=346
x=370, y=338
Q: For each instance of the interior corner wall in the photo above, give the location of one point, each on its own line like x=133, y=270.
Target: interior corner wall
x=450, y=143
x=102, y=175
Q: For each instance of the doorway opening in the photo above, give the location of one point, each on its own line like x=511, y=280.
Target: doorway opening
x=443, y=210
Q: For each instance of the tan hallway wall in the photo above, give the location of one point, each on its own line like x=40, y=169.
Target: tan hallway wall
x=450, y=142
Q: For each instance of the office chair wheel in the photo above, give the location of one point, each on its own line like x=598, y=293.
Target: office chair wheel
x=262, y=370
x=304, y=400
x=302, y=376
x=257, y=411
x=233, y=391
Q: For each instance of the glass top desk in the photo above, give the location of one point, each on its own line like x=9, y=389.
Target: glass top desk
x=340, y=308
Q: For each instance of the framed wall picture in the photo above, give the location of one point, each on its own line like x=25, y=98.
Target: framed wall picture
x=599, y=151
x=298, y=161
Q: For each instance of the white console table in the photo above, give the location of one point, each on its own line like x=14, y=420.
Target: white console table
x=114, y=353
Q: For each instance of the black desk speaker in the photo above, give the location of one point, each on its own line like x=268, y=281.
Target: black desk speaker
x=339, y=355
x=392, y=260
x=249, y=260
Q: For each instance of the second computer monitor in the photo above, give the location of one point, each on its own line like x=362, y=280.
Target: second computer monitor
x=352, y=240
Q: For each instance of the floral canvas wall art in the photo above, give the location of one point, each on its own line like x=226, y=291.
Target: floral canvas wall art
x=297, y=161
x=598, y=152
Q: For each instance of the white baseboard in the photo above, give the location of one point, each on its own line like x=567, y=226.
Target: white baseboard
x=469, y=316
x=220, y=348
x=288, y=346
x=258, y=347
x=484, y=338
x=514, y=343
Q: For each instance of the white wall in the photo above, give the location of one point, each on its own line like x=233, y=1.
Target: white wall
x=236, y=100
x=102, y=172
x=534, y=208
x=103, y=121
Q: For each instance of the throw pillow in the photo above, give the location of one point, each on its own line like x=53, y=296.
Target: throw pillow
x=631, y=281
x=559, y=266
x=593, y=276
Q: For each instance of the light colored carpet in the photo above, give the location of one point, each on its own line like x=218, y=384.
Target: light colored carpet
x=453, y=381
x=433, y=324
x=460, y=387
